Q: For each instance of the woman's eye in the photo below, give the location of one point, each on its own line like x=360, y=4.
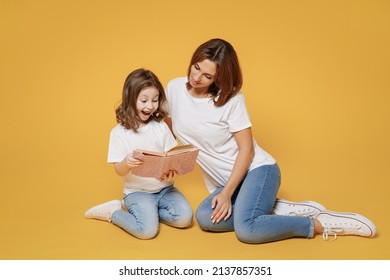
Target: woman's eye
x=196, y=66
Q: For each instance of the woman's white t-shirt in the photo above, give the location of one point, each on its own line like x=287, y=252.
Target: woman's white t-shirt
x=154, y=136
x=199, y=122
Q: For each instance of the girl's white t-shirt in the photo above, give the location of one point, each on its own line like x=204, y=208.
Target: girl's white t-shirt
x=154, y=136
x=199, y=122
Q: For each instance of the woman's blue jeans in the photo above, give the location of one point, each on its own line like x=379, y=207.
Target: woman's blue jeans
x=252, y=204
x=146, y=210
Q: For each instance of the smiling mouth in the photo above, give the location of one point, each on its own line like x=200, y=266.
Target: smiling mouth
x=146, y=114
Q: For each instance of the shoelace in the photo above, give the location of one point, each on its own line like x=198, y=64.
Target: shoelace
x=331, y=231
x=351, y=229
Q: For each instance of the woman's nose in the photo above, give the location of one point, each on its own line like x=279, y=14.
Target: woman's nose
x=197, y=77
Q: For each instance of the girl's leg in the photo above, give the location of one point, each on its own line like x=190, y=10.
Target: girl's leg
x=141, y=220
x=204, y=211
x=253, y=221
x=173, y=208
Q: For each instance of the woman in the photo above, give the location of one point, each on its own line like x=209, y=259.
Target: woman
x=208, y=110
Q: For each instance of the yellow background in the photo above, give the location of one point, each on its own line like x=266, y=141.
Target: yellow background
x=316, y=80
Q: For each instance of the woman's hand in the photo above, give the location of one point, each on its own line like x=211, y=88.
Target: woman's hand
x=222, y=205
x=170, y=176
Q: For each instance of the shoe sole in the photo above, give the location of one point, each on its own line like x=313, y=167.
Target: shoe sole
x=354, y=216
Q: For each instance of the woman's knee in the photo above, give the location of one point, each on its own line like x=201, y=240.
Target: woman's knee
x=203, y=218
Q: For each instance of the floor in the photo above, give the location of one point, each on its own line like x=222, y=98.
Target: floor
x=55, y=228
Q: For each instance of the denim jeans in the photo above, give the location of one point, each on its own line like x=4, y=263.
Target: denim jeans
x=146, y=210
x=252, y=205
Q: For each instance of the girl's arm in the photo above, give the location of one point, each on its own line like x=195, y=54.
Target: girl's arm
x=123, y=167
x=223, y=201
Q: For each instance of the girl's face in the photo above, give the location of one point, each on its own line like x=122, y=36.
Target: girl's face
x=202, y=74
x=147, y=103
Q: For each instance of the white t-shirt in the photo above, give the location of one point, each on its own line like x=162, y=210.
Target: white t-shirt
x=154, y=136
x=199, y=122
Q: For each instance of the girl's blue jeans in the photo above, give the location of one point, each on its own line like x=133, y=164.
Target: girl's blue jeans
x=252, y=205
x=146, y=210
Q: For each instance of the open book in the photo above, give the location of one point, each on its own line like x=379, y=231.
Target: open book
x=180, y=158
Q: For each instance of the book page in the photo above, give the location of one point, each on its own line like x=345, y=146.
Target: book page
x=181, y=149
x=175, y=150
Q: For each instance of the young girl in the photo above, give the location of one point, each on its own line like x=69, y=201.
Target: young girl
x=147, y=200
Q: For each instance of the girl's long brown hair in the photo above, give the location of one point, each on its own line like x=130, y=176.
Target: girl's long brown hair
x=136, y=81
x=228, y=77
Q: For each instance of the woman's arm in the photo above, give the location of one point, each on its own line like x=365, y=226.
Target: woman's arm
x=222, y=201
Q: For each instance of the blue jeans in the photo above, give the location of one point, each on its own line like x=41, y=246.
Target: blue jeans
x=252, y=205
x=146, y=210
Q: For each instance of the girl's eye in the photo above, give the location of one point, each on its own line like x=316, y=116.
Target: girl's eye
x=209, y=77
x=196, y=66
x=155, y=101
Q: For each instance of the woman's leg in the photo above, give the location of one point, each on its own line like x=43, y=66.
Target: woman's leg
x=141, y=220
x=253, y=221
x=204, y=211
x=173, y=208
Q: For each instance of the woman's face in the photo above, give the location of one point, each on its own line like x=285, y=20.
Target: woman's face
x=202, y=74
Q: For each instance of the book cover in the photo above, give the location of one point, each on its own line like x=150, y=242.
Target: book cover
x=181, y=158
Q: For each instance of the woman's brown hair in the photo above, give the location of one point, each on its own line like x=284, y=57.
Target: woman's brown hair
x=228, y=77
x=136, y=81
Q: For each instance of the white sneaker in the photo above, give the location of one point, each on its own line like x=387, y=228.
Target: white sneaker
x=103, y=211
x=337, y=223
x=303, y=208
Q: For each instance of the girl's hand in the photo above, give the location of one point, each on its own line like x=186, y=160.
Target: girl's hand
x=170, y=176
x=222, y=206
x=132, y=162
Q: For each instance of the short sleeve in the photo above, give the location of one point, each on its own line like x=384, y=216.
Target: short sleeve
x=238, y=118
x=116, y=148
